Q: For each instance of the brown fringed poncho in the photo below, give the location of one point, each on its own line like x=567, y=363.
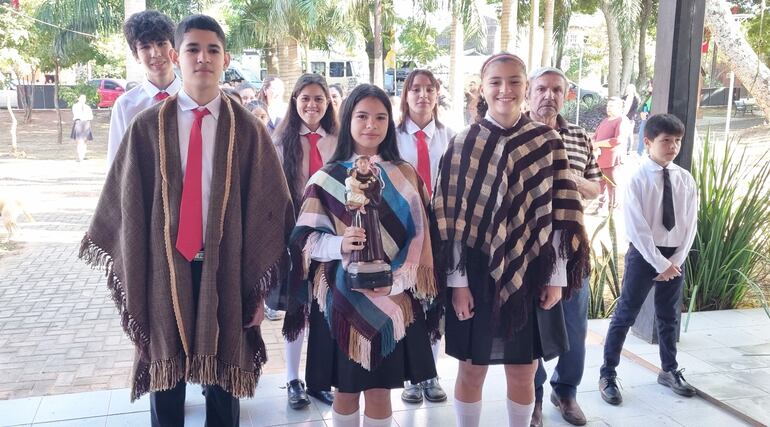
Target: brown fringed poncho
x=504, y=192
x=132, y=237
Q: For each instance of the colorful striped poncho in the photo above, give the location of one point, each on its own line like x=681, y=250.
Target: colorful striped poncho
x=366, y=329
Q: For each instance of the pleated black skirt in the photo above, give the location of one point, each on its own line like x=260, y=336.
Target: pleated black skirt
x=81, y=129
x=328, y=366
x=482, y=341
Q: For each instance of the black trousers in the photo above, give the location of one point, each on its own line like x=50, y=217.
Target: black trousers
x=167, y=407
x=637, y=283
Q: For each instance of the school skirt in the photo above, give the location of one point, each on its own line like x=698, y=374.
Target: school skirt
x=81, y=129
x=481, y=341
x=328, y=366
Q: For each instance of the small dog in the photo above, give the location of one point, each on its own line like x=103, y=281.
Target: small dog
x=10, y=210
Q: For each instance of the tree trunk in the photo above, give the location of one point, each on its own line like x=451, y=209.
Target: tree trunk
x=134, y=71
x=288, y=63
x=377, y=76
x=271, y=60
x=509, y=25
x=57, y=69
x=534, y=17
x=545, y=59
x=455, y=75
x=644, y=21
x=14, y=147
x=615, y=51
x=369, y=46
x=628, y=63
x=753, y=74
x=559, y=54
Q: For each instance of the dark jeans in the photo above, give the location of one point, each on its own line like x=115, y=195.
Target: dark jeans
x=637, y=282
x=569, y=369
x=167, y=407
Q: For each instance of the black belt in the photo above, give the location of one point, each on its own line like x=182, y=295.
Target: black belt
x=198, y=257
x=666, y=251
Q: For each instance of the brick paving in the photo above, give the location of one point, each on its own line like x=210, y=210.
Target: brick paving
x=59, y=329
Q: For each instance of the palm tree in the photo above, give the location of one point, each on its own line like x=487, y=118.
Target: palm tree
x=545, y=59
x=508, y=25
x=67, y=41
x=644, y=20
x=377, y=76
x=534, y=17
x=615, y=53
x=465, y=19
x=727, y=34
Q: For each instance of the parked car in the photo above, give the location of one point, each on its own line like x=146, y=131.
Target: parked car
x=586, y=95
x=237, y=73
x=109, y=90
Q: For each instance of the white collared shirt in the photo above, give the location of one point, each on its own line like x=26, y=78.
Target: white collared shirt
x=436, y=138
x=128, y=106
x=185, y=119
x=643, y=213
x=457, y=279
x=82, y=112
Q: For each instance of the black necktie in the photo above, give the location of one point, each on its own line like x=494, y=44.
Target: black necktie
x=669, y=219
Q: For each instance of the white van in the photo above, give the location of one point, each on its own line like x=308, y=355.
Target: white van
x=349, y=73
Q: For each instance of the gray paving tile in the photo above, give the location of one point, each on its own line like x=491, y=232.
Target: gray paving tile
x=69, y=406
x=80, y=422
x=19, y=411
x=120, y=402
x=705, y=416
x=686, y=360
x=755, y=407
x=645, y=421
x=755, y=377
x=722, y=386
x=275, y=411
x=437, y=416
x=135, y=419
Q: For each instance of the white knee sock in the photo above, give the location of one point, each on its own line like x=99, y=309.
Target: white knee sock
x=339, y=420
x=293, y=354
x=468, y=414
x=436, y=349
x=374, y=422
x=519, y=415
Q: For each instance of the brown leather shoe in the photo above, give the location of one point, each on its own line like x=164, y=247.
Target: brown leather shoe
x=570, y=410
x=537, y=415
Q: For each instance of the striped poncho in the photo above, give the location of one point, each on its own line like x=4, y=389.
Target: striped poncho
x=505, y=192
x=366, y=329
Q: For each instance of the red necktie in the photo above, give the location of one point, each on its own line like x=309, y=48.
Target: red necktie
x=315, y=161
x=189, y=239
x=160, y=96
x=423, y=159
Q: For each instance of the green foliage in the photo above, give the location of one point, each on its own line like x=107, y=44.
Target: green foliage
x=418, y=42
x=605, y=273
x=71, y=94
x=757, y=32
x=733, y=235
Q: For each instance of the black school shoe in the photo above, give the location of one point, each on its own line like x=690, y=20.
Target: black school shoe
x=412, y=393
x=608, y=386
x=325, y=396
x=675, y=381
x=433, y=391
x=297, y=395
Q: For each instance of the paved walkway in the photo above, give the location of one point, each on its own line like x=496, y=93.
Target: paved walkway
x=645, y=402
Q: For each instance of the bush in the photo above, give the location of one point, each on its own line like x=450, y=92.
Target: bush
x=605, y=272
x=71, y=94
x=733, y=236
x=592, y=112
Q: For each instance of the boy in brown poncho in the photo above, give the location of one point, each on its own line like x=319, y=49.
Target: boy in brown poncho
x=182, y=181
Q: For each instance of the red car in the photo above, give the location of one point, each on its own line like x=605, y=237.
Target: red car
x=109, y=90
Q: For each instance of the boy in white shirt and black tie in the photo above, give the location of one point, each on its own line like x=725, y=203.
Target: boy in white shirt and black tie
x=660, y=211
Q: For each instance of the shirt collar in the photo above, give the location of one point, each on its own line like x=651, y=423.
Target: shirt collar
x=186, y=104
x=429, y=129
x=151, y=90
x=488, y=117
x=652, y=166
x=304, y=130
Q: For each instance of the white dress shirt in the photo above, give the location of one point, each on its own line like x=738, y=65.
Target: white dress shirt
x=643, y=213
x=127, y=106
x=457, y=279
x=185, y=119
x=81, y=111
x=436, y=138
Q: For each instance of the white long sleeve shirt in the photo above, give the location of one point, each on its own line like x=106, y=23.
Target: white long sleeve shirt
x=457, y=279
x=185, y=119
x=643, y=213
x=436, y=138
x=128, y=106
